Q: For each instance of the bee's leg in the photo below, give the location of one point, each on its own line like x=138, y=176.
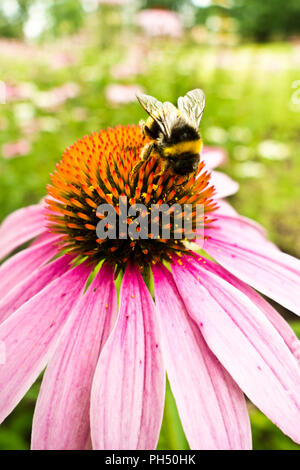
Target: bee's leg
x=145, y=155
x=181, y=183
x=164, y=165
x=158, y=175
x=187, y=178
x=136, y=168
x=146, y=152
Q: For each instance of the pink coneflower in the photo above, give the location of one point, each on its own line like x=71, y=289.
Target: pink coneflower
x=216, y=337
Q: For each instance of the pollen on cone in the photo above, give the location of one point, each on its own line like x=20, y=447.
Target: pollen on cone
x=98, y=170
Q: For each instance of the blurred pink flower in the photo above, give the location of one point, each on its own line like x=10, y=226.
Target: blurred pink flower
x=16, y=149
x=64, y=52
x=127, y=69
x=122, y=94
x=16, y=49
x=156, y=22
x=62, y=59
x=14, y=92
x=55, y=97
x=133, y=63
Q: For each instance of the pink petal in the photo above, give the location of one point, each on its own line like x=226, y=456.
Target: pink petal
x=234, y=228
x=224, y=185
x=246, y=343
x=272, y=315
x=31, y=285
x=42, y=238
x=268, y=270
x=213, y=156
x=61, y=418
x=20, y=227
x=225, y=208
x=31, y=332
x=211, y=406
x=128, y=390
x=20, y=266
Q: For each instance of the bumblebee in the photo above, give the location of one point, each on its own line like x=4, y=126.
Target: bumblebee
x=173, y=132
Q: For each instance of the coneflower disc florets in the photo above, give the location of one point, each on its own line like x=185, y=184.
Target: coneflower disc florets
x=97, y=170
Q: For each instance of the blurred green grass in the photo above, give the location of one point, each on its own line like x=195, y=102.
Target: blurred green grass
x=249, y=92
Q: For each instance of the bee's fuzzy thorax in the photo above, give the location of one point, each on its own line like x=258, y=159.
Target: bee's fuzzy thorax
x=182, y=131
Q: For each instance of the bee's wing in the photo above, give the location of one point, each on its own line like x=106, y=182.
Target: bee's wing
x=163, y=113
x=192, y=105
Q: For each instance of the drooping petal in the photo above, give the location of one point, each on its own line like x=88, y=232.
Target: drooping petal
x=213, y=156
x=31, y=285
x=246, y=344
x=61, y=419
x=236, y=228
x=31, y=332
x=273, y=316
x=20, y=266
x=21, y=226
x=225, y=208
x=212, y=408
x=224, y=185
x=268, y=270
x=41, y=238
x=128, y=390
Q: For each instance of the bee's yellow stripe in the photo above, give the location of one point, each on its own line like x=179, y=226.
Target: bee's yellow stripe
x=191, y=146
x=149, y=121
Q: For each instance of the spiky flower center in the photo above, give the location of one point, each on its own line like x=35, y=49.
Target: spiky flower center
x=97, y=170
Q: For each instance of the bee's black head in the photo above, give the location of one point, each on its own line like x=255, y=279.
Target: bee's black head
x=185, y=164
